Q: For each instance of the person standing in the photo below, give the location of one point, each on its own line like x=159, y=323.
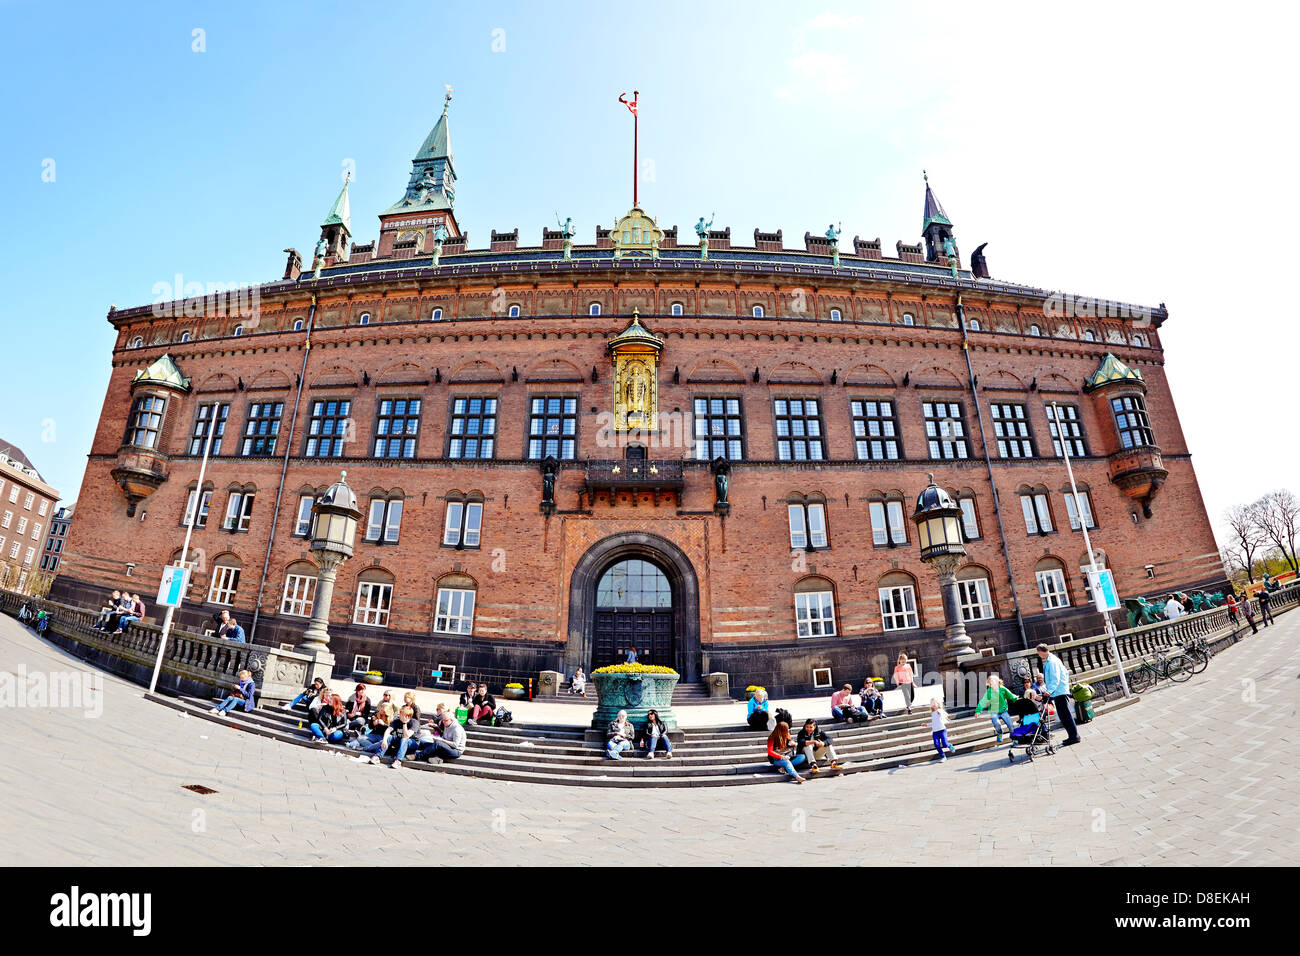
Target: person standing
x=1265, y=612
x=939, y=730
x=631, y=655
x=1231, y=605
x=995, y=700
x=1249, y=610
x=1057, y=680
x=904, y=681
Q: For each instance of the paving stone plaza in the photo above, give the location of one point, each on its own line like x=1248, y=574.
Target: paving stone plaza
x=1197, y=774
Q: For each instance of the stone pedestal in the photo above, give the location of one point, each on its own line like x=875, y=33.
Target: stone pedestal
x=719, y=685
x=286, y=673
x=548, y=683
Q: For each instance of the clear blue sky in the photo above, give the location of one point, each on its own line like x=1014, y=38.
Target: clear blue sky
x=1092, y=158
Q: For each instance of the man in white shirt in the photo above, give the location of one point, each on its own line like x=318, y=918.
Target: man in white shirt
x=1173, y=609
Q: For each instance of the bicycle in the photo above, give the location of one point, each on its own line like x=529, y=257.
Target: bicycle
x=1198, y=649
x=1175, y=665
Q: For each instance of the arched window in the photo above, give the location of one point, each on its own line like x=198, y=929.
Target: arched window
x=898, y=602
x=888, y=521
x=836, y=315
x=297, y=325
x=384, y=522
x=1140, y=340
x=634, y=583
x=436, y=315
x=973, y=325
x=239, y=330
x=676, y=308
x=807, y=523
x=513, y=312
x=1089, y=335
x=365, y=319
x=909, y=319
x=185, y=336
x=299, y=589
x=973, y=593
x=758, y=311
x=137, y=342
x=1036, y=506
x=455, y=607
x=225, y=580
x=1035, y=330
x=814, y=608
x=593, y=309
x=1052, y=590
x=463, y=525
x=374, y=598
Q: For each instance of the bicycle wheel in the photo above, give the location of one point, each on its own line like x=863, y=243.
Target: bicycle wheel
x=1140, y=679
x=1180, y=668
x=1200, y=658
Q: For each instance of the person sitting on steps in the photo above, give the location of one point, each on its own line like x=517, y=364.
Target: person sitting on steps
x=815, y=744
x=619, y=736
x=655, y=733
x=242, y=693
x=843, y=708
x=873, y=701
x=448, y=745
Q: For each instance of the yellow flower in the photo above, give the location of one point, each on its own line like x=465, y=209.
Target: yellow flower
x=634, y=669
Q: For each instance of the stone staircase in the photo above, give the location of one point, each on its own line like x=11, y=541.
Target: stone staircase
x=683, y=695
x=713, y=757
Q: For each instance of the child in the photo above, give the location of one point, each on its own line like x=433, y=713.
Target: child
x=939, y=729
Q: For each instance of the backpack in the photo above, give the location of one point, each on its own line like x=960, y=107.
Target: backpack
x=503, y=717
x=783, y=716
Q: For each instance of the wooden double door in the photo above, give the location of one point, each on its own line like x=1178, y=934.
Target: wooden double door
x=649, y=630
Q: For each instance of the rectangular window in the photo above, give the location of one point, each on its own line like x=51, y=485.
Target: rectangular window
x=1063, y=422
x=1051, y=588
x=898, y=608
x=202, y=520
x=17, y=546
x=553, y=428
x=1132, y=422
x=239, y=511
x=473, y=428
x=374, y=602
x=303, y=528
x=464, y=523
x=36, y=530
x=718, y=429
x=225, y=582
x=798, y=429
x=28, y=556
x=27, y=502
x=1011, y=427
x=807, y=525
x=887, y=525
x=22, y=525
x=45, y=506
x=207, y=415
x=455, y=611
x=299, y=595
x=327, y=428
x=973, y=595
x=814, y=614
x=385, y=522
x=945, y=430
x=875, y=429
x=8, y=519
x=145, y=421
x=262, y=428
x=13, y=494
x=1080, y=511
x=399, y=422
x=1038, y=516
x=969, y=519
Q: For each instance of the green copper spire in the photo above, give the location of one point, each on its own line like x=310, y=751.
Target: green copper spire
x=933, y=209
x=432, y=187
x=340, y=213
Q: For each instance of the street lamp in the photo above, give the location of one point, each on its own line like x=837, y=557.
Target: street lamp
x=334, y=519
x=943, y=547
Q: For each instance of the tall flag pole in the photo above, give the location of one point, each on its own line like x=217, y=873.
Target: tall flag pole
x=631, y=106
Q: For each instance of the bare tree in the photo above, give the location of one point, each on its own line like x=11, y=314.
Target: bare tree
x=1277, y=515
x=1234, y=564
x=1247, y=536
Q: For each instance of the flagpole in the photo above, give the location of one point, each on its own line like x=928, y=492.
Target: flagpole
x=636, y=131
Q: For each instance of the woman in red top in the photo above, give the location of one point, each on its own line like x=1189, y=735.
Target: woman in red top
x=903, y=680
x=778, y=751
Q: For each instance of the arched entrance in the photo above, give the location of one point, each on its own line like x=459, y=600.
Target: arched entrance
x=634, y=609
x=634, y=590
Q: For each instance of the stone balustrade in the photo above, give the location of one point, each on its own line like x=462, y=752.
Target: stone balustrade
x=192, y=664
x=1090, y=659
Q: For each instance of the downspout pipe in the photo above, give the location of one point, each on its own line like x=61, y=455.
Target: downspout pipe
x=988, y=466
x=284, y=470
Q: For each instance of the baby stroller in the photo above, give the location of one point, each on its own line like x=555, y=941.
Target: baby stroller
x=1032, y=734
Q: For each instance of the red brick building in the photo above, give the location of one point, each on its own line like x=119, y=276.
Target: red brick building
x=829, y=383
x=26, y=512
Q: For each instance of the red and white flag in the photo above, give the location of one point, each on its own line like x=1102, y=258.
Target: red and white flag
x=630, y=104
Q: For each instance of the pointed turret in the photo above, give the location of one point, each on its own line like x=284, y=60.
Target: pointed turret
x=430, y=193
x=936, y=227
x=336, y=230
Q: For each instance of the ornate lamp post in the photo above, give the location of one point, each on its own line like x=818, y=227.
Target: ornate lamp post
x=334, y=519
x=943, y=547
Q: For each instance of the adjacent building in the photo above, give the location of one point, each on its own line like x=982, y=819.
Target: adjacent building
x=705, y=449
x=26, y=511
x=53, y=551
